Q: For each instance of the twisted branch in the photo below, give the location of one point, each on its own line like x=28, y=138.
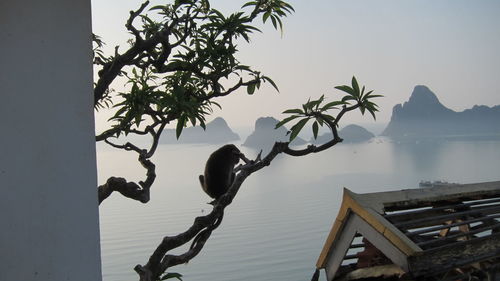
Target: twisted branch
x=203, y=226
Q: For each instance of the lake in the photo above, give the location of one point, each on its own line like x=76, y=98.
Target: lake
x=276, y=226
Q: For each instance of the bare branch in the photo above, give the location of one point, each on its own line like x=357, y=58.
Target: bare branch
x=133, y=14
x=202, y=226
x=132, y=190
x=127, y=189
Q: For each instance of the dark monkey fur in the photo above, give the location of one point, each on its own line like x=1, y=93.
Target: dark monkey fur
x=219, y=173
x=219, y=176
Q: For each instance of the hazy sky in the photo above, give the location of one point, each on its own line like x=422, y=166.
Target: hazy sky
x=390, y=46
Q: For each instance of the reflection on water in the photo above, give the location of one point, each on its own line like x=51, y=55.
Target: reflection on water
x=275, y=228
x=423, y=156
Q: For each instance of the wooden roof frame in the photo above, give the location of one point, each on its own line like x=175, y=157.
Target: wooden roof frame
x=364, y=214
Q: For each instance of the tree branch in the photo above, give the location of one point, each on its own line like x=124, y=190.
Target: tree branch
x=133, y=14
x=202, y=226
x=132, y=190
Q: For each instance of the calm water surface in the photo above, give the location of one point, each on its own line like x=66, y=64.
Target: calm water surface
x=276, y=226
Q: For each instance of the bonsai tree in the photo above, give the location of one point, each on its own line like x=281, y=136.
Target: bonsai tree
x=182, y=58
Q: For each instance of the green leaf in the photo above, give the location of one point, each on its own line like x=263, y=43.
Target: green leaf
x=271, y=81
x=372, y=112
x=118, y=113
x=329, y=117
x=172, y=275
x=273, y=20
x=305, y=106
x=159, y=7
x=286, y=120
x=266, y=16
x=332, y=104
x=280, y=24
x=347, y=98
x=355, y=86
x=242, y=67
x=192, y=120
x=287, y=7
x=373, y=96
x=216, y=104
x=297, y=128
x=315, y=129
x=202, y=124
x=294, y=111
x=251, y=3
x=180, y=125
x=314, y=103
x=251, y=88
x=346, y=89
x=320, y=120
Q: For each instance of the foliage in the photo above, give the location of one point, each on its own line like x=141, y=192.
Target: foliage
x=316, y=110
x=180, y=59
x=171, y=275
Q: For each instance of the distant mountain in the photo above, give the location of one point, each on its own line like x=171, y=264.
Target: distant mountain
x=350, y=134
x=264, y=135
x=216, y=132
x=424, y=116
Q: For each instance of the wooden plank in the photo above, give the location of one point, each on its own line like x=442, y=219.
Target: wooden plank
x=381, y=242
x=355, y=224
x=340, y=248
x=383, y=226
x=351, y=257
x=334, y=232
x=451, y=238
x=439, y=227
x=422, y=197
x=355, y=246
x=435, y=211
x=427, y=197
x=444, y=258
x=431, y=221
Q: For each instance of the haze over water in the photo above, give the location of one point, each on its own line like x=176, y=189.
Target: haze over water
x=276, y=226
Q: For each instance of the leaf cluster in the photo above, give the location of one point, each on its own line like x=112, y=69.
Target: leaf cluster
x=274, y=10
x=317, y=110
x=360, y=97
x=179, y=59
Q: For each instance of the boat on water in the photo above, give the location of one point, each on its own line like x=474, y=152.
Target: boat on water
x=437, y=183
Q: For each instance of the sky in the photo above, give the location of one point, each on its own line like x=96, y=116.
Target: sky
x=451, y=46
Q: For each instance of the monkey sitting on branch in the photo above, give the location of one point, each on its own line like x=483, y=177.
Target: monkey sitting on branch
x=219, y=170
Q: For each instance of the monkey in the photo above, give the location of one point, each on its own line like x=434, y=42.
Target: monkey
x=219, y=174
x=218, y=177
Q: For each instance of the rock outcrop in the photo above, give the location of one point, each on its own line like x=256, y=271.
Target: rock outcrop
x=265, y=134
x=217, y=131
x=423, y=115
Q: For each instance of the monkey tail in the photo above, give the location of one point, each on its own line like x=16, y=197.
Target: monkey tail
x=207, y=231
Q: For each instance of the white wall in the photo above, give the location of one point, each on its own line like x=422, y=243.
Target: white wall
x=49, y=228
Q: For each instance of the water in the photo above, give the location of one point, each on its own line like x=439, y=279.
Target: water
x=276, y=226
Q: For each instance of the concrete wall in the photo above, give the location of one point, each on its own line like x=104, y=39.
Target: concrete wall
x=49, y=228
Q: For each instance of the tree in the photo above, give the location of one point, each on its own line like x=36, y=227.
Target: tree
x=180, y=60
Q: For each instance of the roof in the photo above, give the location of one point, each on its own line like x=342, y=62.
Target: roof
x=424, y=232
